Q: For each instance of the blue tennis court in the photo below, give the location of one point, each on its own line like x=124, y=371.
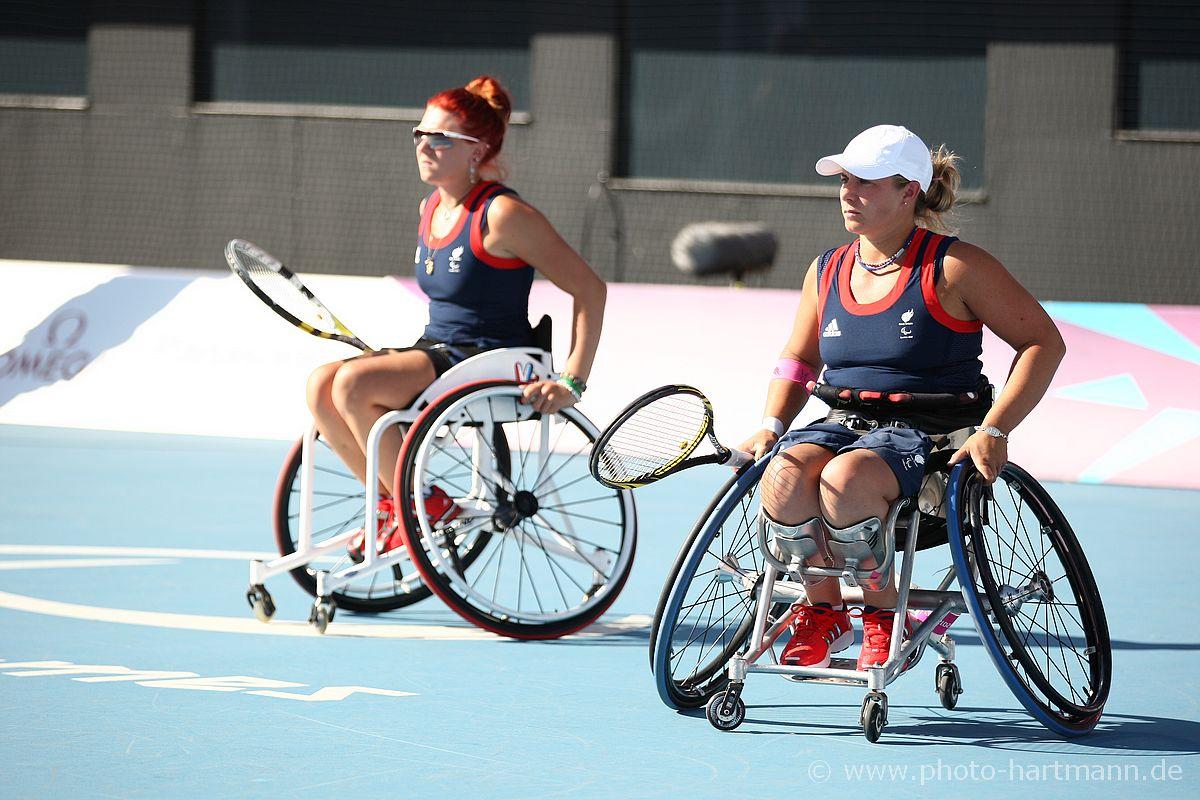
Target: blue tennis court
x=132, y=667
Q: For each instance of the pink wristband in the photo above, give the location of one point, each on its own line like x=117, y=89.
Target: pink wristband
x=794, y=370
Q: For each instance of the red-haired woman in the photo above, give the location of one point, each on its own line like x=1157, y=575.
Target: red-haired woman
x=476, y=254
x=901, y=309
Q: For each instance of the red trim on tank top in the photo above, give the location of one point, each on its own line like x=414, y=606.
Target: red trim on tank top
x=933, y=304
x=831, y=270
x=426, y=215
x=846, y=294
x=442, y=241
x=480, y=217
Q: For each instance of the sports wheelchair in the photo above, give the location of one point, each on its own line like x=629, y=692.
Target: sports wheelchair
x=493, y=502
x=1021, y=576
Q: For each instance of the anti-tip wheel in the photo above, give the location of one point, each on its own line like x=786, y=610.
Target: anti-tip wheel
x=874, y=715
x=321, y=615
x=725, y=713
x=261, y=603
x=949, y=687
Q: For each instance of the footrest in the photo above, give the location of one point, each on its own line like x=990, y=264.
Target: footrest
x=848, y=664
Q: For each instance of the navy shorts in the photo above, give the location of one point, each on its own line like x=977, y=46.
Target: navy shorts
x=904, y=449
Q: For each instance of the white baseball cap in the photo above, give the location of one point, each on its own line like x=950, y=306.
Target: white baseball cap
x=880, y=152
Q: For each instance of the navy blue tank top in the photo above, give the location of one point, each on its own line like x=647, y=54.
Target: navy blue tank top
x=475, y=297
x=903, y=341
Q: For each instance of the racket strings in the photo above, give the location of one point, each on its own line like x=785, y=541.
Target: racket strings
x=284, y=293
x=654, y=439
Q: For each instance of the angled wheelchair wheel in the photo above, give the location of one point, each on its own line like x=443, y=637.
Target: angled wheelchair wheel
x=557, y=545
x=1032, y=596
x=706, y=613
x=338, y=500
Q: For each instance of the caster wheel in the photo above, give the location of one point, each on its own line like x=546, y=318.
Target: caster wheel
x=261, y=603
x=874, y=715
x=725, y=713
x=321, y=615
x=948, y=685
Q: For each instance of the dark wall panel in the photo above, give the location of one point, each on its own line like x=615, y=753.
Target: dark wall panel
x=1078, y=209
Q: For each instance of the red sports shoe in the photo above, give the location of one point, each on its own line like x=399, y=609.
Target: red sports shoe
x=877, y=638
x=439, y=506
x=817, y=631
x=385, y=531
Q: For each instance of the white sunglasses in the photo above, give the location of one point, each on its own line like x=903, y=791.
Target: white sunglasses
x=440, y=140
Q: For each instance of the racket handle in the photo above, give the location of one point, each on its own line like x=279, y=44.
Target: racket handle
x=738, y=459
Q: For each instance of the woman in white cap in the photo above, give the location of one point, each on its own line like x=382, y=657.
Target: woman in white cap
x=896, y=318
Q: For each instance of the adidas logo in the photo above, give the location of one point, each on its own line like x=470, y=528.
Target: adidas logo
x=831, y=329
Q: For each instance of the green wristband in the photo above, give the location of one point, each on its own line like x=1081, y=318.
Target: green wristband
x=576, y=386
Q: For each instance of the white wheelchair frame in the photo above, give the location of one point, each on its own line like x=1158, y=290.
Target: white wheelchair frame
x=519, y=364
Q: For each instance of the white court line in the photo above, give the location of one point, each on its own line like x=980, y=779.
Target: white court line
x=159, y=552
x=60, y=563
x=203, y=622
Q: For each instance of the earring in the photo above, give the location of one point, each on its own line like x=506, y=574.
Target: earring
x=472, y=172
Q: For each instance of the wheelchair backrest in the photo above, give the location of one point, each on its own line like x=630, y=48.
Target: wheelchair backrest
x=931, y=499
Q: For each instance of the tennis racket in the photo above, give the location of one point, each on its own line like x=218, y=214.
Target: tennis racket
x=283, y=292
x=658, y=435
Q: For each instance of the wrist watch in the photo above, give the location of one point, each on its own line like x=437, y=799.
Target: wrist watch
x=993, y=431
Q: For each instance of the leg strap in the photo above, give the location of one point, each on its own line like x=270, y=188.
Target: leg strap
x=858, y=545
x=794, y=545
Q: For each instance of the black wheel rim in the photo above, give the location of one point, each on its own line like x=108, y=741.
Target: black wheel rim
x=715, y=618
x=1041, y=593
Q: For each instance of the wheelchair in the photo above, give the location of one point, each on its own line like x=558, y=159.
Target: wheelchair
x=1022, y=577
x=494, y=504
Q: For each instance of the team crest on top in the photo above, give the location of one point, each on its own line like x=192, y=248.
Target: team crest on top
x=831, y=329
x=456, y=259
x=906, y=324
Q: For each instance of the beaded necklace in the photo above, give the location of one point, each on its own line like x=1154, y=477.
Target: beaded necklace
x=882, y=265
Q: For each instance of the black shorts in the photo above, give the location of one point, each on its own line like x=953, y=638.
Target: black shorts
x=443, y=355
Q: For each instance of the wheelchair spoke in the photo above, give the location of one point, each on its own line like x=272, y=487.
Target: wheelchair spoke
x=707, y=600
x=532, y=582
x=1000, y=545
x=562, y=429
x=706, y=647
x=519, y=479
x=465, y=464
x=714, y=586
x=325, y=506
x=550, y=564
x=340, y=495
x=593, y=519
x=573, y=537
x=579, y=502
x=340, y=473
x=569, y=459
x=553, y=564
x=499, y=567
x=1052, y=664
